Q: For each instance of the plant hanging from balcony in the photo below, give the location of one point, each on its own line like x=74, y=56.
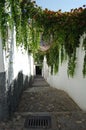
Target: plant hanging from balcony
x=65, y=29
x=60, y=30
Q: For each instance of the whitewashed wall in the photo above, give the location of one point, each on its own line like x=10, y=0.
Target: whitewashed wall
x=16, y=69
x=17, y=59
x=22, y=62
x=76, y=86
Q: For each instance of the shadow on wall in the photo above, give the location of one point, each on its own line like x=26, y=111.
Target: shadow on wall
x=3, y=97
x=15, y=91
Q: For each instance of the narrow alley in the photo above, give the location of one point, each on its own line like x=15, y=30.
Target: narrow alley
x=41, y=99
x=42, y=65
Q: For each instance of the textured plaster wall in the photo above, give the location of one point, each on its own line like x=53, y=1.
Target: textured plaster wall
x=76, y=86
x=22, y=62
x=16, y=68
x=17, y=59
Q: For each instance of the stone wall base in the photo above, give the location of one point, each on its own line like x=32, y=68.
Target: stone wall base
x=9, y=99
x=3, y=97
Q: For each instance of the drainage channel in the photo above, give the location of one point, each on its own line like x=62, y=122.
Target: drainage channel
x=39, y=122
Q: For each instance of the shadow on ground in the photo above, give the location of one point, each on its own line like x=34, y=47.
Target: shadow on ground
x=41, y=98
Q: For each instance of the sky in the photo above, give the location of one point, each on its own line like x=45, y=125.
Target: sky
x=64, y=5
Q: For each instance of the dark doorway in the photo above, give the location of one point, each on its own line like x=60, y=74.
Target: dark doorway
x=38, y=70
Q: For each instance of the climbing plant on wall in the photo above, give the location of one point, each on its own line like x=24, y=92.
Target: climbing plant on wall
x=84, y=65
x=3, y=21
x=38, y=57
x=61, y=30
x=14, y=13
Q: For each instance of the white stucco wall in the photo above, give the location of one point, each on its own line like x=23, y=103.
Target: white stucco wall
x=17, y=59
x=76, y=86
x=21, y=61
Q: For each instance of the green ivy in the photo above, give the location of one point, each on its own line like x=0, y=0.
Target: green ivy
x=38, y=57
x=84, y=64
x=3, y=22
x=59, y=30
x=71, y=65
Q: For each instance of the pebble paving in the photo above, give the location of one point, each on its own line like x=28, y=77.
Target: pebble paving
x=41, y=98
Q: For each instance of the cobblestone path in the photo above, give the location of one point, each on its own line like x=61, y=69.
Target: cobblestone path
x=41, y=98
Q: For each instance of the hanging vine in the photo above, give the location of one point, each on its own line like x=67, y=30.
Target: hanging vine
x=3, y=22
x=59, y=30
x=84, y=64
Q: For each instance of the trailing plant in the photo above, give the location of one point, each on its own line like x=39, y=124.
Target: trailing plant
x=53, y=58
x=61, y=30
x=84, y=64
x=38, y=58
x=71, y=65
x=3, y=22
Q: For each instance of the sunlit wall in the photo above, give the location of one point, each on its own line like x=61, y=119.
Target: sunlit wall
x=76, y=86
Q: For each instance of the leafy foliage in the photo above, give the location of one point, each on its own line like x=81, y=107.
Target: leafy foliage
x=3, y=22
x=84, y=64
x=62, y=30
x=38, y=57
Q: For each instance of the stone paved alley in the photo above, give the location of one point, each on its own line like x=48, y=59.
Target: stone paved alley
x=41, y=98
